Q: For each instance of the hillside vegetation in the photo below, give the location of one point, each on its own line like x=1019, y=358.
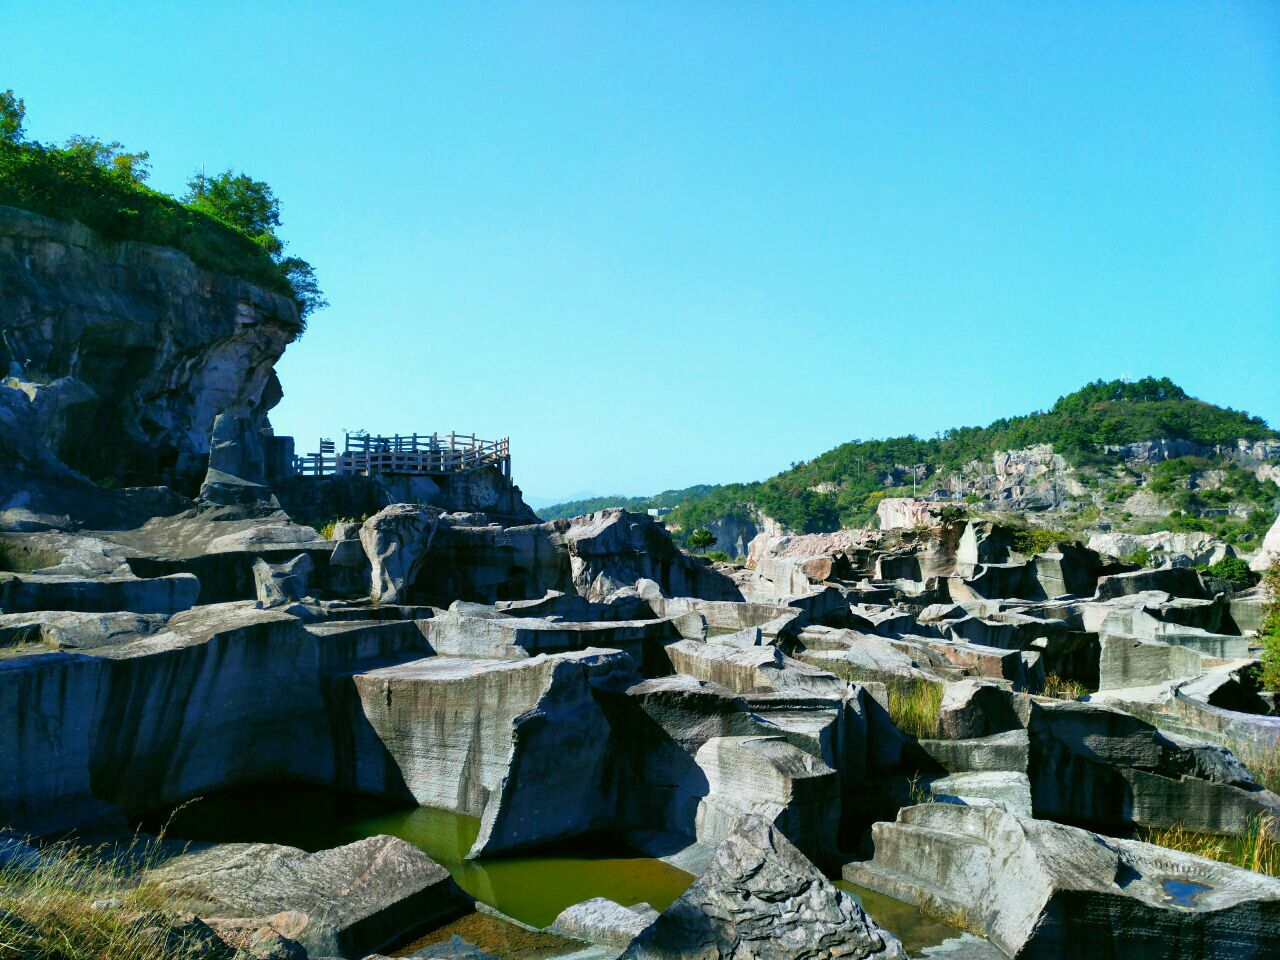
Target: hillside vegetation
x=226, y=222
x=841, y=488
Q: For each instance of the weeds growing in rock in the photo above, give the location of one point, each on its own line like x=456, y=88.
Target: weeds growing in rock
x=1264, y=765
x=87, y=903
x=1257, y=849
x=953, y=915
x=915, y=706
x=1062, y=689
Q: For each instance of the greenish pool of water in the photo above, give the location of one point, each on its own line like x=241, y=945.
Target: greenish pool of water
x=532, y=889
x=915, y=928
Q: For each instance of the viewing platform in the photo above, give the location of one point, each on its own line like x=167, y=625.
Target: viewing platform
x=418, y=454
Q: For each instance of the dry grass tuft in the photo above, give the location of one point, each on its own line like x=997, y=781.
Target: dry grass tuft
x=915, y=704
x=87, y=903
x=915, y=707
x=1257, y=849
x=1062, y=689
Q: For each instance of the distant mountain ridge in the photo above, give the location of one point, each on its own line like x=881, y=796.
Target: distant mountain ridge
x=1090, y=430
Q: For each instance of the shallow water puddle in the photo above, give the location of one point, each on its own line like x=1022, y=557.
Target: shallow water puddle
x=1182, y=893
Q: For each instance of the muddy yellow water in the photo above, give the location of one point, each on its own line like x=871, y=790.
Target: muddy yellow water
x=533, y=889
x=916, y=929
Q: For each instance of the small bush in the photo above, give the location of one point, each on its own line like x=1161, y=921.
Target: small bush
x=1033, y=540
x=1233, y=569
x=719, y=556
x=327, y=528
x=1270, y=632
x=1139, y=558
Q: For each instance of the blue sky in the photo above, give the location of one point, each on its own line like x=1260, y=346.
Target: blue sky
x=667, y=243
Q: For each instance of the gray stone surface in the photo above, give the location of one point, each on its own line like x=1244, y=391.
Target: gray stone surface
x=761, y=898
x=30, y=592
x=163, y=346
x=279, y=584
x=348, y=901
x=237, y=474
x=603, y=921
x=1045, y=890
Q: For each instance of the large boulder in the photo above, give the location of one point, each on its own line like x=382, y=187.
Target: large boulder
x=348, y=901
x=278, y=584
x=761, y=898
x=615, y=548
x=396, y=540
x=603, y=921
x=1044, y=890
x=237, y=476
x=1175, y=549
x=502, y=740
x=1270, y=552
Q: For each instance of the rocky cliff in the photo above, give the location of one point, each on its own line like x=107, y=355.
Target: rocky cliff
x=141, y=347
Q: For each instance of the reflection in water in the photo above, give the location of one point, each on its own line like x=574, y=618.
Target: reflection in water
x=908, y=923
x=533, y=889
x=1182, y=893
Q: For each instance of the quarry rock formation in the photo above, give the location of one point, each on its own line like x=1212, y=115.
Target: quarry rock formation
x=935, y=709
x=162, y=347
x=1041, y=889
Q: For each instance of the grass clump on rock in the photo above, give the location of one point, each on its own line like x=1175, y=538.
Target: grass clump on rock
x=72, y=902
x=1257, y=849
x=915, y=707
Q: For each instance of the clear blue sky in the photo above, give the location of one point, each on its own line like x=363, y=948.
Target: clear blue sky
x=667, y=243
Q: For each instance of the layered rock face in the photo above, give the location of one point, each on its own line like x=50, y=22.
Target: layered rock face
x=155, y=346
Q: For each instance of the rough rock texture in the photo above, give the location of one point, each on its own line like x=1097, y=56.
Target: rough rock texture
x=237, y=474
x=603, y=921
x=347, y=901
x=281, y=583
x=224, y=695
x=163, y=345
x=761, y=898
x=1176, y=549
x=1270, y=552
x=1044, y=890
x=395, y=541
x=614, y=548
x=419, y=552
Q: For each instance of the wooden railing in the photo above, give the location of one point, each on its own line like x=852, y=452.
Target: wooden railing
x=417, y=453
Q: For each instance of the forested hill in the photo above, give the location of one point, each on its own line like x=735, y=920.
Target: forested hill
x=841, y=487
x=226, y=222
